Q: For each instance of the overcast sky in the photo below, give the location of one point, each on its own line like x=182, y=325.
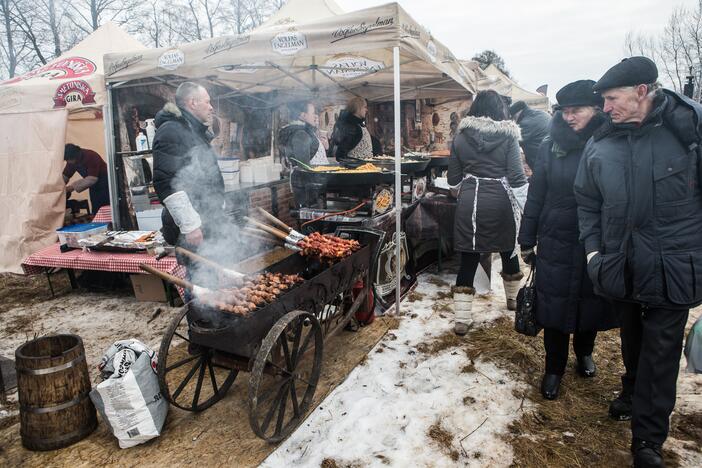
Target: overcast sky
x=549, y=42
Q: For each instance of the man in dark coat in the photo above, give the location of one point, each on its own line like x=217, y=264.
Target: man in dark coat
x=566, y=302
x=640, y=212
x=533, y=124
x=187, y=179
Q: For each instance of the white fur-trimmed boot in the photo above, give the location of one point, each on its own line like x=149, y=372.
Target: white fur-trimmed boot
x=511, y=283
x=463, y=308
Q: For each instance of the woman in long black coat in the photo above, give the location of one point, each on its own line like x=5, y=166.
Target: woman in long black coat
x=485, y=162
x=566, y=303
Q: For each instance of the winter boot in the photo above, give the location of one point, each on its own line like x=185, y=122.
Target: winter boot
x=512, y=283
x=463, y=308
x=646, y=454
x=620, y=407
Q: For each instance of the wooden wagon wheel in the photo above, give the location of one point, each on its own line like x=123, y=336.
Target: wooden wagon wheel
x=284, y=375
x=187, y=374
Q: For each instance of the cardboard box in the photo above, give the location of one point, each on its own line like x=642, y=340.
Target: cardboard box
x=148, y=288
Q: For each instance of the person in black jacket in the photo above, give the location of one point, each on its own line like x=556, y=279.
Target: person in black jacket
x=534, y=126
x=350, y=137
x=566, y=302
x=640, y=214
x=299, y=138
x=186, y=176
x=485, y=162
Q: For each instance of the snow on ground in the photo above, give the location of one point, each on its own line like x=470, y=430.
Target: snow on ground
x=383, y=413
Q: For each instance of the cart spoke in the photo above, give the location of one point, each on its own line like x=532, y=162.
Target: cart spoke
x=181, y=336
x=186, y=380
x=293, y=397
x=296, y=344
x=212, y=376
x=305, y=343
x=286, y=353
x=273, y=408
x=264, y=396
x=281, y=415
x=284, y=372
x=200, y=378
x=180, y=363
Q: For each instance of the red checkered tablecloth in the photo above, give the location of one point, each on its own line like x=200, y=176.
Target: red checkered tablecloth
x=52, y=257
x=104, y=215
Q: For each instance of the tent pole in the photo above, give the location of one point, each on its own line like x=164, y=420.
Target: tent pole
x=110, y=148
x=398, y=176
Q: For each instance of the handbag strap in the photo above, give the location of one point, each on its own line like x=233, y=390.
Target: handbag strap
x=531, y=277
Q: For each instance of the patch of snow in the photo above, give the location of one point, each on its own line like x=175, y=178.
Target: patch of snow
x=384, y=410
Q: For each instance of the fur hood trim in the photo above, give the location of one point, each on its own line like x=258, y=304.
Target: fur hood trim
x=488, y=126
x=171, y=108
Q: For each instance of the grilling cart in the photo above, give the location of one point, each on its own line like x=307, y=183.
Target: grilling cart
x=280, y=344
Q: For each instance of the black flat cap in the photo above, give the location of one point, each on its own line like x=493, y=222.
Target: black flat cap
x=578, y=93
x=631, y=71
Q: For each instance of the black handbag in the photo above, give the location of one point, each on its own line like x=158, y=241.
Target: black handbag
x=525, y=315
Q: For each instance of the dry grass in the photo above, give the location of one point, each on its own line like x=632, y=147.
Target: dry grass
x=437, y=282
x=415, y=296
x=329, y=463
x=444, y=439
x=442, y=295
x=442, y=307
x=542, y=437
x=469, y=368
x=441, y=343
x=18, y=290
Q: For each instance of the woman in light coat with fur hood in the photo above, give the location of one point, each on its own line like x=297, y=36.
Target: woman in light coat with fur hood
x=485, y=161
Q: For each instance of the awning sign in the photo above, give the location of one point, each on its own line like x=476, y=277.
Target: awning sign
x=171, y=59
x=246, y=68
x=350, y=66
x=70, y=67
x=431, y=50
x=289, y=42
x=73, y=91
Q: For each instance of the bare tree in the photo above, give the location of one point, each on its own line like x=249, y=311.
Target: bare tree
x=677, y=49
x=88, y=15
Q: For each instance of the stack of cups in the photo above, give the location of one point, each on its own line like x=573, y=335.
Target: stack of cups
x=229, y=167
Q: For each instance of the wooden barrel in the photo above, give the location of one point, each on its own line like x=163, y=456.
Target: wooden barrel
x=53, y=387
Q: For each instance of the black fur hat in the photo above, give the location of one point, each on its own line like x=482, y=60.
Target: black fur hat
x=578, y=93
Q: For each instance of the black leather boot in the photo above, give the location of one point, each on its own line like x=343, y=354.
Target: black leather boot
x=620, y=407
x=646, y=454
x=550, y=385
x=586, y=366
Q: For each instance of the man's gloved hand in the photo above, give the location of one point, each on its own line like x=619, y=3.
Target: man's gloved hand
x=591, y=254
x=527, y=253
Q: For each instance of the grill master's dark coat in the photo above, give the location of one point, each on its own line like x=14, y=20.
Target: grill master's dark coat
x=184, y=161
x=485, y=148
x=566, y=300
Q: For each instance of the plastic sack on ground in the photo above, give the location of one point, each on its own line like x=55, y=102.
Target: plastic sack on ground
x=693, y=348
x=129, y=398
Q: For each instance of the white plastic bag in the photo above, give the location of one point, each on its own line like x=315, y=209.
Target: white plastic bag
x=129, y=399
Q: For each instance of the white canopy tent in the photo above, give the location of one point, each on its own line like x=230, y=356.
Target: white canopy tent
x=301, y=11
x=40, y=111
x=379, y=53
x=493, y=78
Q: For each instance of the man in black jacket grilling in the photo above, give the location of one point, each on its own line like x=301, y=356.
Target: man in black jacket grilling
x=187, y=179
x=640, y=212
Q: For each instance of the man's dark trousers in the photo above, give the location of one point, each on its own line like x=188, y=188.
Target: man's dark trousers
x=652, y=340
